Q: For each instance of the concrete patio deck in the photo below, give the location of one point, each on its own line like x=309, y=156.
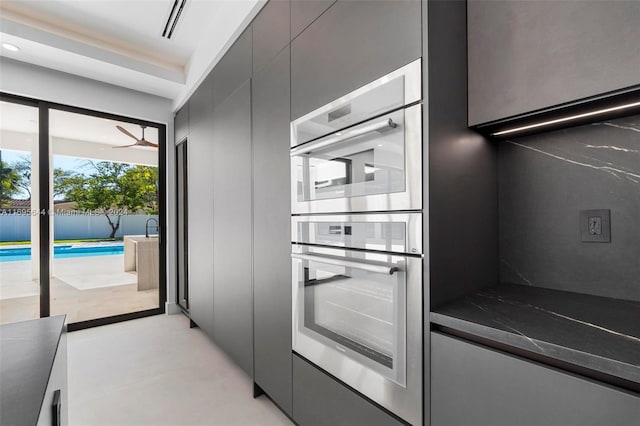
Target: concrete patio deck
x=82, y=287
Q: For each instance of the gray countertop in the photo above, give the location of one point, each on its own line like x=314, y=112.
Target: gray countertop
x=27, y=352
x=592, y=332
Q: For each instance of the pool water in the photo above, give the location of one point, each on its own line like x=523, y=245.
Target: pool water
x=61, y=252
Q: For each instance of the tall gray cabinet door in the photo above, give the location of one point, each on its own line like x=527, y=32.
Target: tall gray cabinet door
x=320, y=400
x=231, y=165
x=234, y=69
x=474, y=385
x=199, y=208
x=350, y=45
x=270, y=33
x=271, y=231
x=305, y=12
x=528, y=55
x=181, y=123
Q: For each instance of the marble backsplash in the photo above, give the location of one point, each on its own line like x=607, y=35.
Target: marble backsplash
x=545, y=181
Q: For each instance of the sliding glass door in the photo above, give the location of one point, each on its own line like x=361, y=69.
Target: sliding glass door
x=99, y=256
x=19, y=218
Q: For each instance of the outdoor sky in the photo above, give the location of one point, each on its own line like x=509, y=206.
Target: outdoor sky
x=67, y=163
x=59, y=161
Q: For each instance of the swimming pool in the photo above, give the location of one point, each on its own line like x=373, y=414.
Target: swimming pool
x=60, y=252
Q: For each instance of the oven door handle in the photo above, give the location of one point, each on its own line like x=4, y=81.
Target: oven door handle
x=337, y=138
x=371, y=267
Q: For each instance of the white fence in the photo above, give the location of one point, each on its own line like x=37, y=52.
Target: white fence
x=14, y=227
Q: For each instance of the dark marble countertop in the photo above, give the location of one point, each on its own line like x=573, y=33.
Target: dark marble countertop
x=592, y=332
x=27, y=352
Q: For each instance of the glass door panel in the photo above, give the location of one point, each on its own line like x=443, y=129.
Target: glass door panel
x=355, y=302
x=19, y=213
x=106, y=245
x=365, y=164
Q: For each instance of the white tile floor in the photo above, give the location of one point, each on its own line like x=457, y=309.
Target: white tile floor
x=156, y=371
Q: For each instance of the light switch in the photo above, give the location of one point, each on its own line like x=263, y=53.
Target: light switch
x=595, y=226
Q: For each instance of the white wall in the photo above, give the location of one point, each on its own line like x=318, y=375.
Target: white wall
x=32, y=81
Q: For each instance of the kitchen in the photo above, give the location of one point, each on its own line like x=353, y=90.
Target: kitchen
x=406, y=212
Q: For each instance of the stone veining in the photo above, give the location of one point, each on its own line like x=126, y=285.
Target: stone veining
x=618, y=126
x=514, y=269
x=559, y=315
x=633, y=177
x=614, y=148
x=540, y=348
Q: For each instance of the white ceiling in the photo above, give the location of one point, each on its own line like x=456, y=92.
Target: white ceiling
x=68, y=125
x=75, y=135
x=120, y=42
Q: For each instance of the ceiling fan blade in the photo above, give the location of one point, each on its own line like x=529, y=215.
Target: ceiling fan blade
x=144, y=142
x=126, y=132
x=126, y=146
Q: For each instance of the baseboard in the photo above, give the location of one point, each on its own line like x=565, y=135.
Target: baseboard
x=172, y=308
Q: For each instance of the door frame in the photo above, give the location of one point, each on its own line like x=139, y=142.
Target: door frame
x=182, y=144
x=44, y=199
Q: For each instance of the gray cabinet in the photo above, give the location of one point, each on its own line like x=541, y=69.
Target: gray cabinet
x=471, y=384
x=305, y=12
x=270, y=32
x=231, y=165
x=200, y=177
x=352, y=44
x=271, y=231
x=319, y=399
x=528, y=55
x=33, y=372
x=233, y=69
x=181, y=123
x=56, y=399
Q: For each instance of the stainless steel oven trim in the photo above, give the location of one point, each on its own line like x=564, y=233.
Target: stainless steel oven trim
x=413, y=223
x=365, y=266
x=345, y=136
x=412, y=73
x=409, y=199
x=405, y=402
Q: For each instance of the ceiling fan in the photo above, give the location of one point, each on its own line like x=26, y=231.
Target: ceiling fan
x=139, y=142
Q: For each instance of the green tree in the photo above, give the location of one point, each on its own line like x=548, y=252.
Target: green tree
x=113, y=189
x=60, y=177
x=23, y=168
x=142, y=182
x=9, y=180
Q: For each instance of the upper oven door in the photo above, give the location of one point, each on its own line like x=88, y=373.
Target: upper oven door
x=388, y=93
x=373, y=166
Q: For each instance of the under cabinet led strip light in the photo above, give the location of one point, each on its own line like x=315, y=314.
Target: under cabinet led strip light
x=561, y=120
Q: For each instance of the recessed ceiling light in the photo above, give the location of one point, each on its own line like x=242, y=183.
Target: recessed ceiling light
x=11, y=47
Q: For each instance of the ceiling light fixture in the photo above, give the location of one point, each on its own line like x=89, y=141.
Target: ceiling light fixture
x=10, y=47
x=568, y=118
x=174, y=16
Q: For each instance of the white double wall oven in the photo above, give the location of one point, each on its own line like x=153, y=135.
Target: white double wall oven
x=357, y=249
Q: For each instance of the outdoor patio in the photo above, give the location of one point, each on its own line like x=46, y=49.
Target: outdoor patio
x=82, y=287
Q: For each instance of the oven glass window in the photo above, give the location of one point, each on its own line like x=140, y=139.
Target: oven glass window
x=373, y=163
x=358, y=312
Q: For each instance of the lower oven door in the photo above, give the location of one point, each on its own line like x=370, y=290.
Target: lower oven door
x=358, y=316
